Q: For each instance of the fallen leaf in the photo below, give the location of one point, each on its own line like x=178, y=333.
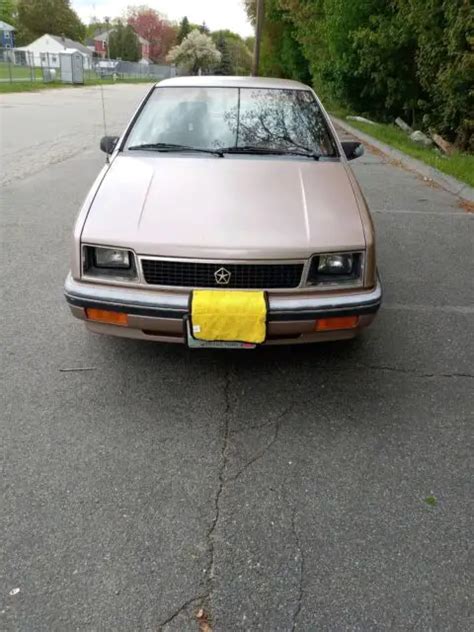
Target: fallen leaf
x=467, y=206
x=203, y=618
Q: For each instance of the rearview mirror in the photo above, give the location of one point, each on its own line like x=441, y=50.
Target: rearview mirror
x=107, y=143
x=352, y=149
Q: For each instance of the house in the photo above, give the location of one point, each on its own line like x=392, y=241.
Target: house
x=101, y=45
x=45, y=51
x=7, y=35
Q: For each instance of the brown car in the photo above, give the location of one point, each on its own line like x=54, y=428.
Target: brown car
x=231, y=197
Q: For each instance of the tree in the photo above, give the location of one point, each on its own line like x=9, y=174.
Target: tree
x=281, y=53
x=197, y=52
x=37, y=17
x=444, y=62
x=250, y=42
x=241, y=56
x=226, y=65
x=236, y=57
x=123, y=43
x=227, y=34
x=8, y=11
x=413, y=58
x=386, y=66
x=204, y=29
x=184, y=30
x=153, y=27
x=96, y=26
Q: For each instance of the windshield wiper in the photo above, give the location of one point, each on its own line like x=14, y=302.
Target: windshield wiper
x=251, y=149
x=174, y=147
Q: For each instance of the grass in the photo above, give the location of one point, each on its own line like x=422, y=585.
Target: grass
x=18, y=72
x=33, y=86
x=27, y=86
x=459, y=165
x=431, y=501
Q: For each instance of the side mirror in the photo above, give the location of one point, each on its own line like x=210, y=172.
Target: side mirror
x=352, y=149
x=107, y=144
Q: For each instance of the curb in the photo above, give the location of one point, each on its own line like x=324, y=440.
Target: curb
x=449, y=183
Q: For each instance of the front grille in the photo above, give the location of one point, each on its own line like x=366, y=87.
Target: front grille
x=242, y=275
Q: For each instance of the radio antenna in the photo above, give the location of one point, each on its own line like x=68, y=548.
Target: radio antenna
x=103, y=113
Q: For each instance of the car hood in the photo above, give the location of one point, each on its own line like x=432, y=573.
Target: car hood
x=210, y=207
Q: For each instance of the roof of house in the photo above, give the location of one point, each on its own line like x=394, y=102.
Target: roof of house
x=102, y=36
x=69, y=43
x=6, y=27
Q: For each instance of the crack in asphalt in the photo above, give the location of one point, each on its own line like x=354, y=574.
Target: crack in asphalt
x=300, y=553
x=223, y=480
x=462, y=310
x=221, y=477
x=261, y=453
x=393, y=369
x=220, y=488
x=183, y=607
x=202, y=599
x=415, y=212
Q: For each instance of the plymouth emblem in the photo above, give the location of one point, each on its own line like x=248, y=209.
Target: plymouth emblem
x=222, y=276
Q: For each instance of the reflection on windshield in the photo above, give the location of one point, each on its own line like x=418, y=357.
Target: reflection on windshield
x=282, y=120
x=210, y=118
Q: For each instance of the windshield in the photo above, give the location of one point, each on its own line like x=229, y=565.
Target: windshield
x=232, y=118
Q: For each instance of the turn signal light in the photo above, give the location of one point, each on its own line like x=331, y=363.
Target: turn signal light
x=337, y=322
x=104, y=316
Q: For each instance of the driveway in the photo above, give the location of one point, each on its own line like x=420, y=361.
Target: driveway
x=148, y=487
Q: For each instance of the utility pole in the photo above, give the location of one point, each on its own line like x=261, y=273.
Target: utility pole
x=107, y=37
x=258, y=36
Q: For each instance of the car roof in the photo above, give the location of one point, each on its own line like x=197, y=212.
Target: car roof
x=232, y=82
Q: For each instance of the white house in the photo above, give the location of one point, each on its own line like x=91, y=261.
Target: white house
x=45, y=51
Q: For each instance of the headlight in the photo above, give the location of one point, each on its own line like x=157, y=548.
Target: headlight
x=335, y=268
x=111, y=258
x=117, y=263
x=336, y=264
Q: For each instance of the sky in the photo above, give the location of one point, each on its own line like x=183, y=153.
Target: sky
x=218, y=14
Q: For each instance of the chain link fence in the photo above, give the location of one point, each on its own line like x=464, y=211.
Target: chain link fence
x=18, y=65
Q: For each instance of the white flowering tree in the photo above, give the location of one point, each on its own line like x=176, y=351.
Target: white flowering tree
x=196, y=52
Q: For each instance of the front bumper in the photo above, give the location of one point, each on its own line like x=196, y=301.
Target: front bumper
x=160, y=314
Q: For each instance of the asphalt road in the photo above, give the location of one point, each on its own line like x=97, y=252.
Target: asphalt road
x=319, y=488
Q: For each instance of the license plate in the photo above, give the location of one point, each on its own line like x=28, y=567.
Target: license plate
x=194, y=343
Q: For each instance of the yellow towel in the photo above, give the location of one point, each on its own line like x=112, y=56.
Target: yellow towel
x=229, y=315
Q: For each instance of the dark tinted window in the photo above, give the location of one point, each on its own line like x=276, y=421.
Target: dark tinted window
x=210, y=118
